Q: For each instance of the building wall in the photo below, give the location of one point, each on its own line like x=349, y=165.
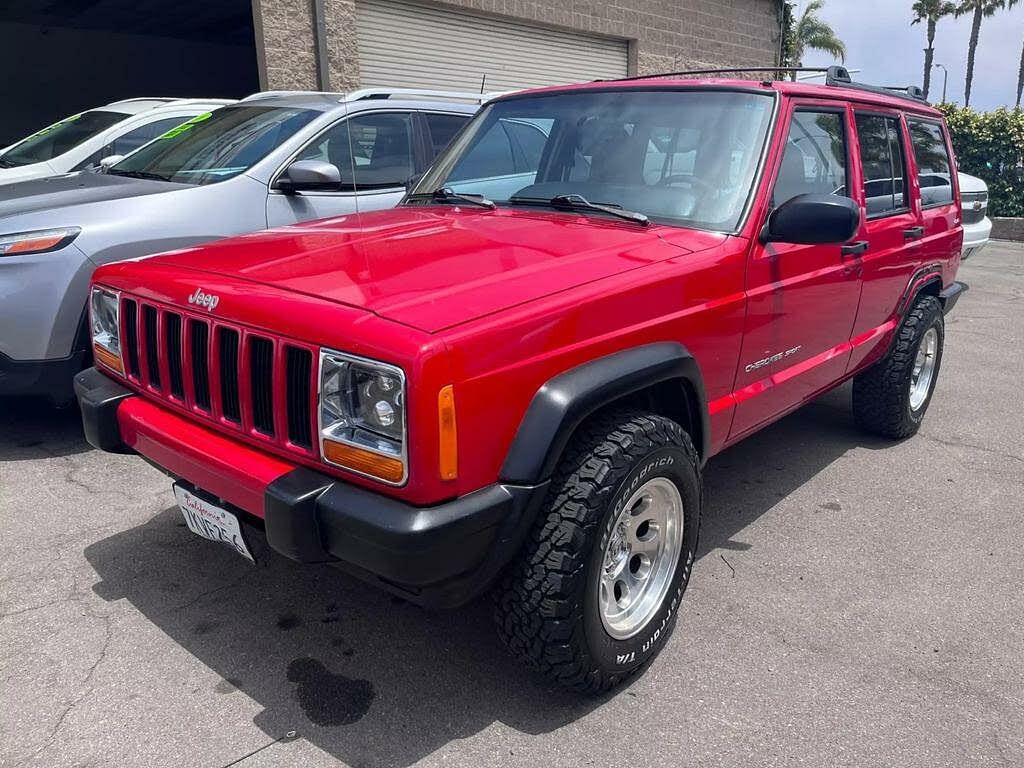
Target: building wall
x=666, y=35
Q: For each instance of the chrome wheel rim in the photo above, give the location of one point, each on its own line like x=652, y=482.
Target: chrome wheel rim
x=924, y=368
x=640, y=558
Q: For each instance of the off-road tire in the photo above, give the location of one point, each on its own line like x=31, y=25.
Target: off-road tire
x=881, y=394
x=546, y=601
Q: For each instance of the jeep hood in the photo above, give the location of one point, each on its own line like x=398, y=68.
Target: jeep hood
x=74, y=189
x=432, y=268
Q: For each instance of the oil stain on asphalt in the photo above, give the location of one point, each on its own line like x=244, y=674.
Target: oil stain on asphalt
x=327, y=698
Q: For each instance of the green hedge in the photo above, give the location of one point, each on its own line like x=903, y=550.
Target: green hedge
x=990, y=145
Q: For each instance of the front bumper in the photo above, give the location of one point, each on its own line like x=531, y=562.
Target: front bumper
x=976, y=237
x=441, y=555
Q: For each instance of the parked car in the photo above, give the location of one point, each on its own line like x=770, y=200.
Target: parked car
x=269, y=160
x=80, y=141
x=977, y=225
x=517, y=385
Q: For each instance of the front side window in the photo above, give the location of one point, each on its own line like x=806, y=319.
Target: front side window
x=442, y=129
x=59, y=138
x=814, y=160
x=216, y=145
x=933, y=166
x=678, y=156
x=372, y=151
x=881, y=154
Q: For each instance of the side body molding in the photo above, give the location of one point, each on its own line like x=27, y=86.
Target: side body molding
x=565, y=401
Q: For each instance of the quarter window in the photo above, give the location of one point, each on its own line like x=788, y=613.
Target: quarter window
x=371, y=151
x=882, y=158
x=933, y=166
x=814, y=161
x=443, y=129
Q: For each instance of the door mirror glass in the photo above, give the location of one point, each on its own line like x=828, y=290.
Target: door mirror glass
x=813, y=220
x=310, y=175
x=108, y=161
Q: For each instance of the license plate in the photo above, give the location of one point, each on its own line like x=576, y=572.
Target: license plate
x=211, y=522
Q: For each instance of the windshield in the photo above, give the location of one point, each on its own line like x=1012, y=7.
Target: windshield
x=681, y=157
x=216, y=145
x=56, y=139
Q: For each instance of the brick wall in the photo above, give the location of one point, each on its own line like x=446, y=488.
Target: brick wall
x=667, y=34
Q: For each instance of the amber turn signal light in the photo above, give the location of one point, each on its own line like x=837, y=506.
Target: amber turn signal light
x=366, y=462
x=449, y=447
x=108, y=358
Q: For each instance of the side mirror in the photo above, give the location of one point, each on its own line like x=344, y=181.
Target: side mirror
x=310, y=175
x=411, y=182
x=108, y=161
x=813, y=220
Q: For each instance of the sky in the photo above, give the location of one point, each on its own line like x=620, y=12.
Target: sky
x=880, y=41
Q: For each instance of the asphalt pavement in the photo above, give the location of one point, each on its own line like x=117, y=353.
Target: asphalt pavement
x=856, y=603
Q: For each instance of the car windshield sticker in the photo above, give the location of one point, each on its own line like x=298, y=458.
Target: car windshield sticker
x=58, y=124
x=178, y=130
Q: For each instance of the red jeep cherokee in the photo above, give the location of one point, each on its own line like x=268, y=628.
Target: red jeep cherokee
x=515, y=378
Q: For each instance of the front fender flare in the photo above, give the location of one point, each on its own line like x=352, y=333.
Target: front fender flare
x=564, y=401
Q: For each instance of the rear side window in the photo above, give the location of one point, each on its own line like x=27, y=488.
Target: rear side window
x=933, y=166
x=443, y=129
x=814, y=161
x=881, y=152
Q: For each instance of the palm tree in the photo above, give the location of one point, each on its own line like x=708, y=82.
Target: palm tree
x=1020, y=77
x=931, y=11
x=812, y=32
x=978, y=9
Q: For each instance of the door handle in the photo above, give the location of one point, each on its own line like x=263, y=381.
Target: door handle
x=854, y=249
x=913, y=233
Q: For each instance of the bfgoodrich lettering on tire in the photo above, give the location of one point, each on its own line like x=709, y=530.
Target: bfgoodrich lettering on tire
x=595, y=593
x=892, y=396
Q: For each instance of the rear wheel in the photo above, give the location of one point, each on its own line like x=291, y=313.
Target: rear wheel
x=594, y=595
x=892, y=396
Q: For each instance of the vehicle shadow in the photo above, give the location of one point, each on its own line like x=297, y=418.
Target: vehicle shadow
x=373, y=680
x=32, y=428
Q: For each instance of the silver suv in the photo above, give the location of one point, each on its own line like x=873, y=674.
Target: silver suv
x=269, y=160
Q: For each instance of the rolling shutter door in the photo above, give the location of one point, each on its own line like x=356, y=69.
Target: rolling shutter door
x=404, y=44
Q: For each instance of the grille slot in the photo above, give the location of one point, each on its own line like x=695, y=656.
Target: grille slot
x=298, y=366
x=199, y=349
x=172, y=330
x=131, y=336
x=152, y=345
x=261, y=367
x=227, y=340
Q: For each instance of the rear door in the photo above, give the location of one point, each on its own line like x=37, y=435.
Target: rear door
x=375, y=152
x=893, y=230
x=802, y=298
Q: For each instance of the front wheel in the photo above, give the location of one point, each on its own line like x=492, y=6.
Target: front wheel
x=891, y=397
x=595, y=593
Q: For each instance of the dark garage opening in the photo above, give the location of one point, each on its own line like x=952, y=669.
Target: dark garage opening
x=62, y=56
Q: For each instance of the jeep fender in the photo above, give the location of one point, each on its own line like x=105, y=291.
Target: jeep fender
x=563, y=402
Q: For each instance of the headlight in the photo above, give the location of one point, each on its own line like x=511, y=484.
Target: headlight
x=362, y=416
x=40, y=241
x=106, y=339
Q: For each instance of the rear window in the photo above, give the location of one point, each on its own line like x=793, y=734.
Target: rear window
x=54, y=140
x=933, y=166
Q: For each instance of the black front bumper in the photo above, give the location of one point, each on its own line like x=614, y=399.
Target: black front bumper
x=440, y=555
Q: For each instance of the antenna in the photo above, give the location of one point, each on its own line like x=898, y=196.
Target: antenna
x=483, y=82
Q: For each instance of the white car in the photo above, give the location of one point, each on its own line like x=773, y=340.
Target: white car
x=977, y=225
x=80, y=141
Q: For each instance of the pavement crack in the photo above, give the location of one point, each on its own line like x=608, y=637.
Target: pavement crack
x=972, y=446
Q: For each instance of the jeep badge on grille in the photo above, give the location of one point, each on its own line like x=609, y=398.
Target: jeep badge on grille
x=208, y=300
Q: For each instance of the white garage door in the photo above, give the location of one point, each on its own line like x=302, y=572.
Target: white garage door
x=406, y=44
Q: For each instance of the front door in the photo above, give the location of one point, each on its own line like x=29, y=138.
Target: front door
x=802, y=299
x=374, y=153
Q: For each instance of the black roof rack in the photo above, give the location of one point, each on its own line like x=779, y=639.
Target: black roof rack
x=834, y=76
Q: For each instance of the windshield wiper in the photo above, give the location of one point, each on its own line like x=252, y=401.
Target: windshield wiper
x=580, y=203
x=139, y=175
x=4, y=163
x=447, y=195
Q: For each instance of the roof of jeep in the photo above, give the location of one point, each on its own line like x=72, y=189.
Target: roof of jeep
x=785, y=87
